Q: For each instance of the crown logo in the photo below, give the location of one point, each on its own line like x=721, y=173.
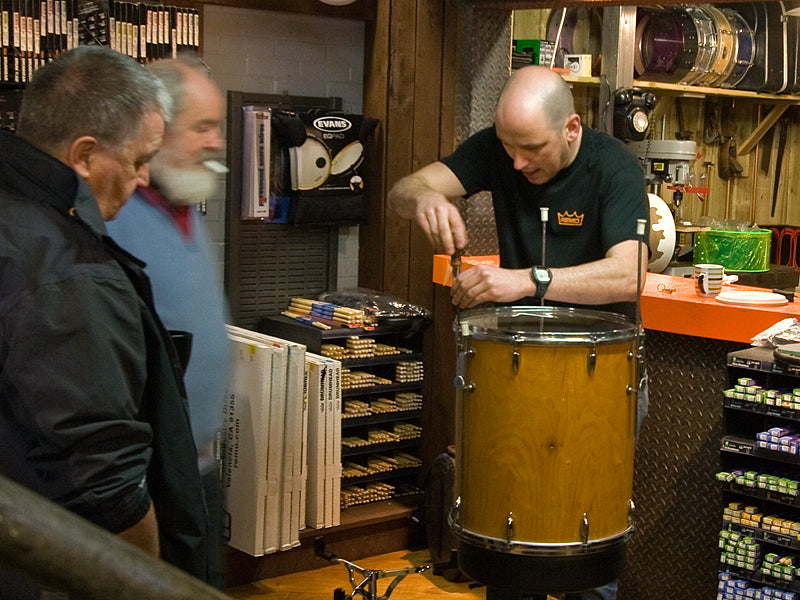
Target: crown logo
x=572, y=219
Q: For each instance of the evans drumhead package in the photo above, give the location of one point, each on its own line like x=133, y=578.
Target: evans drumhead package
x=326, y=168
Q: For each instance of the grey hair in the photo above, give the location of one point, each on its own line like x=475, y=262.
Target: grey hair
x=172, y=73
x=90, y=90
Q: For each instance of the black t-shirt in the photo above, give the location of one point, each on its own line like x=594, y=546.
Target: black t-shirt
x=593, y=204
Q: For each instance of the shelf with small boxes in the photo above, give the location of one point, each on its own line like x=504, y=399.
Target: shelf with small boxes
x=760, y=475
x=382, y=376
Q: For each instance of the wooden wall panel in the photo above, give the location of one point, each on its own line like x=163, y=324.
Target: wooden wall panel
x=375, y=105
x=410, y=76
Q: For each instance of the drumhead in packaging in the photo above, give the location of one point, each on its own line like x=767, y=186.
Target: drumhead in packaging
x=326, y=170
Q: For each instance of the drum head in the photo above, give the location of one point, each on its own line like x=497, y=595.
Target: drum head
x=662, y=234
x=313, y=164
x=347, y=158
x=545, y=325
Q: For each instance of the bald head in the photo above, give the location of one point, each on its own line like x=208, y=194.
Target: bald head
x=537, y=124
x=536, y=93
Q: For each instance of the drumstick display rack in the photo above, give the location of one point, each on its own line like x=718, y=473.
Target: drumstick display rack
x=382, y=376
x=760, y=534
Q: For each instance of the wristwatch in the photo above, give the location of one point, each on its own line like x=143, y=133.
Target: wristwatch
x=541, y=276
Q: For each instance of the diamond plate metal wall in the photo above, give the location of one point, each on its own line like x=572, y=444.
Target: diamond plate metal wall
x=673, y=554
x=485, y=64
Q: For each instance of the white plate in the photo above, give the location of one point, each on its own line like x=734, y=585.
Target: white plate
x=752, y=298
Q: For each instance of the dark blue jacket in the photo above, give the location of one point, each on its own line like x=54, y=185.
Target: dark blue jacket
x=92, y=409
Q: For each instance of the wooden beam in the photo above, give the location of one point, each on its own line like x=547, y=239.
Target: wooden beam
x=762, y=128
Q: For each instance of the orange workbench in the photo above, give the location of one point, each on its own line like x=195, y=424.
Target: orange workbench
x=678, y=311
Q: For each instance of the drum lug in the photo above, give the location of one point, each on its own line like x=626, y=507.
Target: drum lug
x=515, y=359
x=510, y=528
x=455, y=515
x=585, y=529
x=631, y=512
x=591, y=360
x=462, y=384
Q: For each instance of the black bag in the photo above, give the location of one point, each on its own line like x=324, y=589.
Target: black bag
x=438, y=500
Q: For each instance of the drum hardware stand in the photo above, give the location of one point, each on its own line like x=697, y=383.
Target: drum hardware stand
x=545, y=210
x=639, y=336
x=368, y=586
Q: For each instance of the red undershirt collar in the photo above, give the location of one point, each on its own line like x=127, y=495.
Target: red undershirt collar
x=179, y=214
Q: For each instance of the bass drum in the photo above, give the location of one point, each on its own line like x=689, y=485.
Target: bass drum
x=546, y=418
x=724, y=47
x=666, y=44
x=745, y=46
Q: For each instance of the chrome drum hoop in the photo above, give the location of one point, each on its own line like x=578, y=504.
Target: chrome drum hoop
x=540, y=549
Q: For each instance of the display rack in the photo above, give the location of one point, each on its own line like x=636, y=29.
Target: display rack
x=763, y=481
x=399, y=483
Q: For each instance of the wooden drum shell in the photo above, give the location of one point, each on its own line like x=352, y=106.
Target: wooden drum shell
x=547, y=445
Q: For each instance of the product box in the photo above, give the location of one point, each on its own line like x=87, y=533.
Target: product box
x=541, y=51
x=326, y=170
x=745, y=251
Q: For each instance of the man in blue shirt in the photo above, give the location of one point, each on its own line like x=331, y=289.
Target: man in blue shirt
x=162, y=226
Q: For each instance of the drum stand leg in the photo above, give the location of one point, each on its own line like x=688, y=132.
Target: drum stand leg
x=368, y=586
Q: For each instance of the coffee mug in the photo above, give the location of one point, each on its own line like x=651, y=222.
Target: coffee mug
x=708, y=279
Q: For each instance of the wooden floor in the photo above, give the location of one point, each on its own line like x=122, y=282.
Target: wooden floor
x=319, y=584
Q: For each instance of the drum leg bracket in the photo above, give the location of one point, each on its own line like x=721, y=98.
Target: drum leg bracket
x=367, y=588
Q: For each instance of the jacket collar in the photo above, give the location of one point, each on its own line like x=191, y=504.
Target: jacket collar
x=38, y=176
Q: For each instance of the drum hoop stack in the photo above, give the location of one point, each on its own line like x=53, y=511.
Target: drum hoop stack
x=694, y=44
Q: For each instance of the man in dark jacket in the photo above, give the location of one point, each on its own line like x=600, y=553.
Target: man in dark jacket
x=92, y=408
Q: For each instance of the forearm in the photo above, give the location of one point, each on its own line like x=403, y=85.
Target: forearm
x=600, y=282
x=144, y=534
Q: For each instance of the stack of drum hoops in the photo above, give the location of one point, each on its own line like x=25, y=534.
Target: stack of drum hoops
x=748, y=46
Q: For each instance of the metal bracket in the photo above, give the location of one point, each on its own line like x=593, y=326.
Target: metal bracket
x=367, y=588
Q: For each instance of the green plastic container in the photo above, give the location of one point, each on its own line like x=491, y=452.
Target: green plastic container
x=746, y=251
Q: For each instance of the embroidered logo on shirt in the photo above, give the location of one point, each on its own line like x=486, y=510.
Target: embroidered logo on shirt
x=572, y=219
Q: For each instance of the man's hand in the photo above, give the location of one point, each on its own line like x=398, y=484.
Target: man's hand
x=425, y=196
x=485, y=283
x=441, y=222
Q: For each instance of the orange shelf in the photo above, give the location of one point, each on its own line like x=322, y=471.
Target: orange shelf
x=683, y=311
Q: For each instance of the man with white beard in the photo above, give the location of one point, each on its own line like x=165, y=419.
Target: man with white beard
x=161, y=225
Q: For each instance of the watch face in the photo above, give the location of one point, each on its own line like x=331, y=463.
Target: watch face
x=542, y=275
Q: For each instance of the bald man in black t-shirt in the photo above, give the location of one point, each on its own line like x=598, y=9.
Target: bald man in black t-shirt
x=538, y=154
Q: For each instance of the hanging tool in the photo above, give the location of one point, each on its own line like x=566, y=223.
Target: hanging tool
x=682, y=133
x=784, y=123
x=729, y=166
